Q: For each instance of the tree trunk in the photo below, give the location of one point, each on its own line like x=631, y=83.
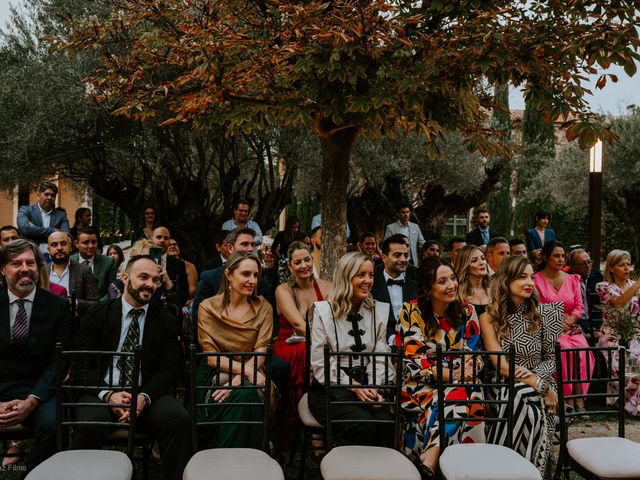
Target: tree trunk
x=336, y=152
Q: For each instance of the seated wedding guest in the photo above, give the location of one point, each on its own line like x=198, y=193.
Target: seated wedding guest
x=430, y=248
x=117, y=255
x=291, y=233
x=235, y=320
x=368, y=245
x=515, y=317
x=32, y=321
x=437, y=317
x=294, y=300
x=473, y=276
x=618, y=290
x=120, y=325
x=581, y=264
x=455, y=245
x=8, y=234
x=535, y=257
x=173, y=250
x=221, y=254
x=540, y=233
x=147, y=225
x=554, y=285
x=496, y=251
x=518, y=247
x=350, y=320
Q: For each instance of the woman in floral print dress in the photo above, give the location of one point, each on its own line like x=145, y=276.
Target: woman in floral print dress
x=437, y=317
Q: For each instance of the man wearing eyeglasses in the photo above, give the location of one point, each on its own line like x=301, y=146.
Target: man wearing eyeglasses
x=580, y=263
x=36, y=222
x=240, y=219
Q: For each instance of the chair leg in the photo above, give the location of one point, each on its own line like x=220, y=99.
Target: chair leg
x=306, y=438
x=146, y=455
x=294, y=446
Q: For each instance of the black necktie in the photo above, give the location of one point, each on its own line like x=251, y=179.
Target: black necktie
x=391, y=281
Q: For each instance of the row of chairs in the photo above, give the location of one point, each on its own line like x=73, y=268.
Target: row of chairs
x=591, y=458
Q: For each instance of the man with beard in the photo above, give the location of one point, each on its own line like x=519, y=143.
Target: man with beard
x=120, y=325
x=175, y=268
x=73, y=276
x=102, y=267
x=390, y=282
x=36, y=222
x=32, y=321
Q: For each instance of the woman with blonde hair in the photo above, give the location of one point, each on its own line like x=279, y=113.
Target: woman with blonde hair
x=516, y=317
x=237, y=319
x=473, y=277
x=619, y=290
x=351, y=320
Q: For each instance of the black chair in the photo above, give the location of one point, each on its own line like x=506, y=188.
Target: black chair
x=309, y=425
x=480, y=460
x=359, y=462
x=602, y=457
x=102, y=464
x=230, y=463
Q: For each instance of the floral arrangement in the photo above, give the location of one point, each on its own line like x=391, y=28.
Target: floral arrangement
x=620, y=323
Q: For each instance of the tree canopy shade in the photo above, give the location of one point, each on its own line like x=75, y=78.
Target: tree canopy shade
x=352, y=67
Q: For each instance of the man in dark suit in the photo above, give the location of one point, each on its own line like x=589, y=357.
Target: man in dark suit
x=220, y=257
x=119, y=325
x=483, y=233
x=176, y=269
x=76, y=278
x=36, y=222
x=239, y=239
x=581, y=264
x=102, y=267
x=390, y=282
x=32, y=321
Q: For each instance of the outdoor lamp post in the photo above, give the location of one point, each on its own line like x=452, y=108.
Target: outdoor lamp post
x=595, y=201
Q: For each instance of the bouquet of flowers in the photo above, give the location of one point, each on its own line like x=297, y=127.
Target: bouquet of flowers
x=620, y=323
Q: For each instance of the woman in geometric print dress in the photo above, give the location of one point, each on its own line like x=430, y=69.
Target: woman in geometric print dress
x=437, y=317
x=514, y=317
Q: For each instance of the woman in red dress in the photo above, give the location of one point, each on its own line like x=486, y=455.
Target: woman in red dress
x=294, y=299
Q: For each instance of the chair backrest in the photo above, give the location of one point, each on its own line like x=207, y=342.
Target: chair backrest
x=575, y=357
x=356, y=363
x=86, y=376
x=477, y=374
x=307, y=351
x=240, y=360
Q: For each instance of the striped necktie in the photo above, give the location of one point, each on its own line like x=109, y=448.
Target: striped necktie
x=20, y=325
x=125, y=364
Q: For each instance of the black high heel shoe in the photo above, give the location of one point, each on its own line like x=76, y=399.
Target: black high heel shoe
x=425, y=472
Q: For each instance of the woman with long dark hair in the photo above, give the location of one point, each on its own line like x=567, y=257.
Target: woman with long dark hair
x=555, y=285
x=515, y=317
x=437, y=317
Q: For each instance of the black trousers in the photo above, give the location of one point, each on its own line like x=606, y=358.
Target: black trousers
x=42, y=422
x=356, y=433
x=165, y=419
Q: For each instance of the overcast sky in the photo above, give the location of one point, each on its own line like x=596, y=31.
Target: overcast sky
x=614, y=99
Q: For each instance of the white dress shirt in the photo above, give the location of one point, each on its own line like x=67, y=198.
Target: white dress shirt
x=395, y=294
x=62, y=280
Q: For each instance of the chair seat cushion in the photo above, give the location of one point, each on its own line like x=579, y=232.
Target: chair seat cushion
x=84, y=464
x=485, y=461
x=306, y=417
x=232, y=464
x=367, y=463
x=607, y=457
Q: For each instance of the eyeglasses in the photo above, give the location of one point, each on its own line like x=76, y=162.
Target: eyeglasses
x=585, y=263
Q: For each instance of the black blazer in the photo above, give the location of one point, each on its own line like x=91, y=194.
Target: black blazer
x=100, y=330
x=49, y=324
x=85, y=285
x=380, y=292
x=474, y=237
x=177, y=272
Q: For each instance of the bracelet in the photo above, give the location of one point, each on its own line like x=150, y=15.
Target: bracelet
x=542, y=387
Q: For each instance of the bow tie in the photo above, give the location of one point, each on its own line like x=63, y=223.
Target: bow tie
x=391, y=281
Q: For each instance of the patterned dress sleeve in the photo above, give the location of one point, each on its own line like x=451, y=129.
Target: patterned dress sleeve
x=552, y=317
x=417, y=361
x=606, y=291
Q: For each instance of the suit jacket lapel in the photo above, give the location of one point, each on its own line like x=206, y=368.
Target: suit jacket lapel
x=5, y=329
x=36, y=216
x=114, y=324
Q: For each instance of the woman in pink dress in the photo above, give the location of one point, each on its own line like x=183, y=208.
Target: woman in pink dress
x=554, y=285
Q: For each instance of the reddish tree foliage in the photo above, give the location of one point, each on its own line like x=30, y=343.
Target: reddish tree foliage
x=352, y=67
